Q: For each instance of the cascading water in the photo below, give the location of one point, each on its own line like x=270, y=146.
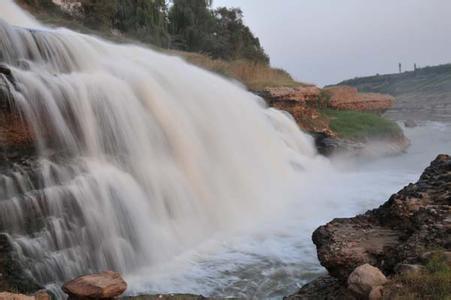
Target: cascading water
x=141, y=155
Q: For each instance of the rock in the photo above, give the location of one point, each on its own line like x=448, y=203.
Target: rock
x=13, y=277
x=168, y=297
x=295, y=94
x=324, y=287
x=346, y=97
x=11, y=296
x=408, y=269
x=377, y=293
x=40, y=295
x=307, y=118
x=105, y=285
x=430, y=254
x=15, y=134
x=301, y=103
x=364, y=278
x=410, y=124
x=414, y=219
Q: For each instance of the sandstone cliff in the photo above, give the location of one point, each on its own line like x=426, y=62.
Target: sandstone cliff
x=349, y=98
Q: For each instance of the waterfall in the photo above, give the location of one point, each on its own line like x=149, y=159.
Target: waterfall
x=140, y=154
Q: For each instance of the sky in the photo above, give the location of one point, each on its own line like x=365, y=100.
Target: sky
x=327, y=41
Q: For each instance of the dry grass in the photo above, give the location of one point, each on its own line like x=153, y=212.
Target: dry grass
x=433, y=283
x=253, y=75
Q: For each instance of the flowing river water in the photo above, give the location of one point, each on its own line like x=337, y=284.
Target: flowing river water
x=173, y=176
x=276, y=256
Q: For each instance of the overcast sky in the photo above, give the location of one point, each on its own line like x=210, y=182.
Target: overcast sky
x=326, y=41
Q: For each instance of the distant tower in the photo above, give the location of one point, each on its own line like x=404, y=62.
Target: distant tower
x=400, y=67
x=415, y=67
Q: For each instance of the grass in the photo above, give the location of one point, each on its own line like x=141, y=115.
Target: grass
x=253, y=75
x=361, y=125
x=433, y=283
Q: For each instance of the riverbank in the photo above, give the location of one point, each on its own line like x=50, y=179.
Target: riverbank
x=407, y=238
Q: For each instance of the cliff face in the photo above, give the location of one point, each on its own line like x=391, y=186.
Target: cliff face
x=302, y=103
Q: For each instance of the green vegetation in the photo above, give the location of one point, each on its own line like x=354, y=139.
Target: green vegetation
x=237, y=54
x=361, y=125
x=186, y=25
x=433, y=283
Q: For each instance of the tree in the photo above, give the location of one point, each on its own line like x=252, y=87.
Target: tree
x=191, y=24
x=145, y=19
x=98, y=13
x=237, y=40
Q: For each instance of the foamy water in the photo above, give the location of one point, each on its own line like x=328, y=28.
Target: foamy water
x=276, y=257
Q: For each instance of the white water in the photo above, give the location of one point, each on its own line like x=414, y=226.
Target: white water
x=276, y=257
x=171, y=175
x=142, y=156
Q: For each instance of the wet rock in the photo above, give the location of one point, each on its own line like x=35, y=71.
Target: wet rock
x=105, y=285
x=328, y=146
x=168, y=297
x=16, y=136
x=410, y=124
x=364, y=278
x=13, y=276
x=324, y=288
x=398, y=232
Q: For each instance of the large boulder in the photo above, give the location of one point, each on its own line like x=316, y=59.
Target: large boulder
x=105, y=285
x=364, y=278
x=399, y=232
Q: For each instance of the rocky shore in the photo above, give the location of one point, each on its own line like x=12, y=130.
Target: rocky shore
x=306, y=103
x=400, y=237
